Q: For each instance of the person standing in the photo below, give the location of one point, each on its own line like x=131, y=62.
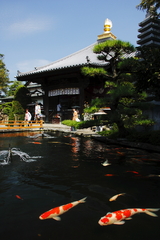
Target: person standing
x=75, y=115
x=27, y=116
x=37, y=111
x=59, y=114
x=58, y=108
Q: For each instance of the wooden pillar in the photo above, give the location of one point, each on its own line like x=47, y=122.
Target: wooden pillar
x=81, y=94
x=46, y=101
x=81, y=99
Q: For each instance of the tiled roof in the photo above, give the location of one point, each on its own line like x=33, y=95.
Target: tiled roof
x=78, y=58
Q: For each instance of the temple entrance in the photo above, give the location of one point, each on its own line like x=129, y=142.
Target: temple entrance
x=64, y=110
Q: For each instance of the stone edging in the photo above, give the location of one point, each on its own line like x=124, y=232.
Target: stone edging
x=125, y=143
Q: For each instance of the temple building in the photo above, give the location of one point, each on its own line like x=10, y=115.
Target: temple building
x=149, y=31
x=63, y=83
x=150, y=36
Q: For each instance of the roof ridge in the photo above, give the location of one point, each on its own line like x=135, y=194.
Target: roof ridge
x=64, y=58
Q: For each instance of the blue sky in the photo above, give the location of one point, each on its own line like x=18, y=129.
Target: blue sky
x=37, y=32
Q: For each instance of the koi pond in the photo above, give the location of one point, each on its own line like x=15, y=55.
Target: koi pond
x=40, y=172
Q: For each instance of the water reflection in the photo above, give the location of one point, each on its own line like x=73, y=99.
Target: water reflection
x=40, y=135
x=70, y=168
x=75, y=143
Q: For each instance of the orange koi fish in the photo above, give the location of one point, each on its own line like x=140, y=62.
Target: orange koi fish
x=55, y=212
x=121, y=153
x=109, y=175
x=115, y=197
x=36, y=142
x=125, y=214
x=17, y=196
x=133, y=172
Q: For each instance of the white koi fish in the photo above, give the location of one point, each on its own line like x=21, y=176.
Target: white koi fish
x=153, y=175
x=55, y=212
x=115, y=197
x=106, y=163
x=125, y=214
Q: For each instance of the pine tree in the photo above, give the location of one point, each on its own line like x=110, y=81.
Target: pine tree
x=151, y=6
x=121, y=96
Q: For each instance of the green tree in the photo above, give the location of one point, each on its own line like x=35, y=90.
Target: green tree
x=22, y=95
x=151, y=6
x=12, y=87
x=4, y=78
x=17, y=109
x=121, y=96
x=12, y=108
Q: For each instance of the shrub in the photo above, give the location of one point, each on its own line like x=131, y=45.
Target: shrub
x=151, y=137
x=112, y=134
x=18, y=110
x=70, y=123
x=155, y=137
x=22, y=96
x=83, y=124
x=12, y=108
x=138, y=136
x=6, y=108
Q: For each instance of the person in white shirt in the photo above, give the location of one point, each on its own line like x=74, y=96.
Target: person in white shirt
x=28, y=116
x=37, y=111
x=58, y=107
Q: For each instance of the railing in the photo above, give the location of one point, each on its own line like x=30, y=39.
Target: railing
x=12, y=124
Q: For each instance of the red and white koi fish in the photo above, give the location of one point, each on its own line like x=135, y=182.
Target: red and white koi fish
x=55, y=212
x=125, y=214
x=116, y=196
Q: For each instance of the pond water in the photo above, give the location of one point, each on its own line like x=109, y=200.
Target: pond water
x=66, y=168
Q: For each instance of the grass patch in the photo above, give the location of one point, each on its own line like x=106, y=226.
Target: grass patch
x=83, y=124
x=151, y=137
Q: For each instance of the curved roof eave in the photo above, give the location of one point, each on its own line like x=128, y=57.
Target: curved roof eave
x=48, y=70
x=81, y=58
x=55, y=69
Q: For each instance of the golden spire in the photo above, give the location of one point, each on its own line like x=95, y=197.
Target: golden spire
x=107, y=25
x=107, y=32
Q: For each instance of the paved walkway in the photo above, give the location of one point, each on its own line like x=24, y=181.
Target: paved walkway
x=87, y=132
x=55, y=127
x=64, y=128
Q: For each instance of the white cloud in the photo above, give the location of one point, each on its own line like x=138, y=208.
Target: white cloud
x=29, y=65
x=29, y=26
